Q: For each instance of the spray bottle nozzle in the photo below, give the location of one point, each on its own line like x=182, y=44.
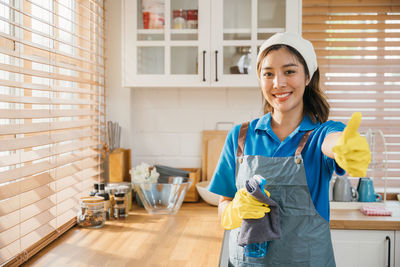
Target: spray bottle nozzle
x=261, y=181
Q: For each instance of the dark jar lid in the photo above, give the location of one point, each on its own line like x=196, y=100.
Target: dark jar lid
x=119, y=194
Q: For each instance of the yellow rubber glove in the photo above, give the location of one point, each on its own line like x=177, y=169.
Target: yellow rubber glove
x=243, y=206
x=352, y=150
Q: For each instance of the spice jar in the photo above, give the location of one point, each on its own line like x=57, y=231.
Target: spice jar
x=120, y=207
x=95, y=189
x=102, y=193
x=179, y=19
x=126, y=188
x=192, y=18
x=91, y=212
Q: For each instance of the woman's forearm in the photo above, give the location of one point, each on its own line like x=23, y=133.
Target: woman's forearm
x=329, y=142
x=223, y=203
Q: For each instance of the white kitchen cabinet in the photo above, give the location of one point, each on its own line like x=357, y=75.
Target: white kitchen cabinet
x=364, y=248
x=228, y=32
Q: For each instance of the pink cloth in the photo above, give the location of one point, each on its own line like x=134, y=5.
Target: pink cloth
x=375, y=211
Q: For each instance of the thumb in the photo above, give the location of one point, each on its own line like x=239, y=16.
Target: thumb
x=352, y=125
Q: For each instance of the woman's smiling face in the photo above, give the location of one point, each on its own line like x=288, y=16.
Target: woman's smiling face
x=283, y=81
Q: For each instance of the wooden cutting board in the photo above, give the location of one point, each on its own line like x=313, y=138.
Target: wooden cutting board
x=213, y=142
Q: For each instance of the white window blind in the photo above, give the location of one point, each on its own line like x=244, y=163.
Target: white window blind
x=358, y=49
x=51, y=118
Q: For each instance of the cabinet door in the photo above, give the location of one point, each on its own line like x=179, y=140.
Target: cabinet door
x=363, y=248
x=165, y=42
x=239, y=28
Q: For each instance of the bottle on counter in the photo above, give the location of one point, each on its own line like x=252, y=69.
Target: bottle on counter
x=106, y=196
x=95, y=190
x=120, y=207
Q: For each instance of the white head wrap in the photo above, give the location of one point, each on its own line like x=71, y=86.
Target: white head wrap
x=303, y=46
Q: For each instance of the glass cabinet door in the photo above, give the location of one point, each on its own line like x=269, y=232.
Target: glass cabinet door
x=167, y=43
x=200, y=42
x=241, y=27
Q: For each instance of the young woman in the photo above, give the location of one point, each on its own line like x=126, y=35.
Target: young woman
x=296, y=149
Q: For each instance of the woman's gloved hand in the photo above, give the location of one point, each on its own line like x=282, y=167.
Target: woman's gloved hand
x=352, y=150
x=243, y=206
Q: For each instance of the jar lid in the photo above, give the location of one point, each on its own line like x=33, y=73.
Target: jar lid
x=90, y=199
x=120, y=194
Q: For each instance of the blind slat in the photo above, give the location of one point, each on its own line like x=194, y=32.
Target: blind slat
x=43, y=87
x=378, y=26
x=322, y=35
x=18, y=40
x=43, y=139
x=321, y=18
x=22, y=157
x=43, y=113
x=47, y=100
x=382, y=9
x=45, y=74
x=9, y=51
x=43, y=127
x=28, y=170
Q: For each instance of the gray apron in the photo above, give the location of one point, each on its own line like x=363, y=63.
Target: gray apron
x=305, y=235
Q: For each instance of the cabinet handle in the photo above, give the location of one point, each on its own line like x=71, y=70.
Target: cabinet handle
x=216, y=65
x=388, y=239
x=204, y=65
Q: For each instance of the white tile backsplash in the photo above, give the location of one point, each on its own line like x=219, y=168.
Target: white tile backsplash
x=156, y=144
x=167, y=123
x=191, y=144
x=180, y=120
x=203, y=98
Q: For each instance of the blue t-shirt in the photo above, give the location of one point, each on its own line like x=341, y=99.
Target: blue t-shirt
x=262, y=141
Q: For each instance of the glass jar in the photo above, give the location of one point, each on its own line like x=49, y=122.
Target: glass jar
x=123, y=187
x=126, y=188
x=120, y=207
x=192, y=18
x=91, y=212
x=179, y=19
x=107, y=204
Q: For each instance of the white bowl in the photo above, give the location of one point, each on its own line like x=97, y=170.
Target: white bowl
x=207, y=196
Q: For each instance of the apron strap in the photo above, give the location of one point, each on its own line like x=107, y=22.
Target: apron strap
x=302, y=143
x=242, y=138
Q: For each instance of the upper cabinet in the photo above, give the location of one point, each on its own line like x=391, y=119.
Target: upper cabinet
x=199, y=43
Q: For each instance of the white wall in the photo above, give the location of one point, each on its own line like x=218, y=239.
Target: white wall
x=164, y=125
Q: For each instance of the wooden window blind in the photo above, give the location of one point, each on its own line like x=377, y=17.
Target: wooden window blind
x=358, y=49
x=52, y=118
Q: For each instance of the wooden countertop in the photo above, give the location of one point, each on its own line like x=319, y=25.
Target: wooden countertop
x=192, y=236
x=354, y=219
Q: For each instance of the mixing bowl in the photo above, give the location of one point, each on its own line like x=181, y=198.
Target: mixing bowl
x=163, y=198
x=207, y=196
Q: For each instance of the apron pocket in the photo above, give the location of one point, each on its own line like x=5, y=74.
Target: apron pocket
x=236, y=252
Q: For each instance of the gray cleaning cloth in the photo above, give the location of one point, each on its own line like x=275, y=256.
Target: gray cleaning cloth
x=266, y=228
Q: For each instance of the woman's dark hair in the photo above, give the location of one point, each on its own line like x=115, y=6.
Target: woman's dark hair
x=315, y=104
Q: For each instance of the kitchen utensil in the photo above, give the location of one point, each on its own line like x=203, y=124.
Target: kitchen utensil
x=113, y=135
x=343, y=191
x=366, y=191
x=163, y=198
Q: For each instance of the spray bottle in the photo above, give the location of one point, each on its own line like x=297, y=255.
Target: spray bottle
x=257, y=250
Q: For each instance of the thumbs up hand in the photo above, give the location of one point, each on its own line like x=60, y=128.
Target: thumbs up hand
x=352, y=150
